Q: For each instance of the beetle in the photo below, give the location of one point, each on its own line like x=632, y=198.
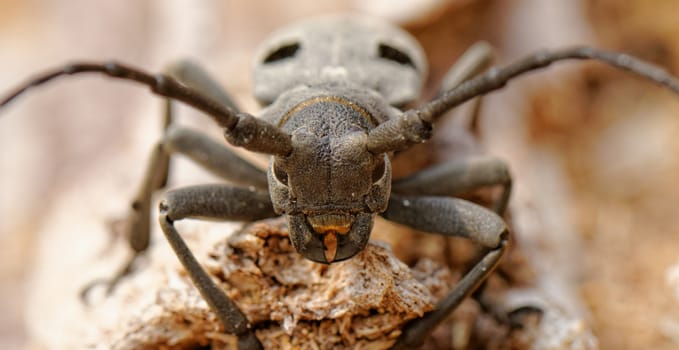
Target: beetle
x=335, y=92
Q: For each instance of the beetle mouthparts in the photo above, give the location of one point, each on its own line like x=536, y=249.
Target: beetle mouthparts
x=331, y=223
x=330, y=244
x=329, y=226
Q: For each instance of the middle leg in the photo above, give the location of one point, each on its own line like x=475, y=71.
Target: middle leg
x=459, y=176
x=209, y=154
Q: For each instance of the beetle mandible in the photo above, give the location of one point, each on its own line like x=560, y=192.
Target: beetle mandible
x=333, y=90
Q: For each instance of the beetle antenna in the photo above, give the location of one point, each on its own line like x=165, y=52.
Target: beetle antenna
x=496, y=78
x=239, y=127
x=160, y=84
x=414, y=126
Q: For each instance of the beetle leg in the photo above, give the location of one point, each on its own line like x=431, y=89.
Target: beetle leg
x=138, y=225
x=214, y=202
x=211, y=155
x=450, y=217
x=474, y=61
x=417, y=330
x=458, y=176
x=193, y=75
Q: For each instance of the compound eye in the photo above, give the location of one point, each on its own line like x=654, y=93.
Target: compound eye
x=379, y=171
x=280, y=174
x=282, y=53
x=393, y=54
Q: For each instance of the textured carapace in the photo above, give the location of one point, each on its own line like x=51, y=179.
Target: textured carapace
x=362, y=50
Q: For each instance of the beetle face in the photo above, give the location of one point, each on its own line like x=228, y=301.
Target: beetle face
x=330, y=186
x=363, y=51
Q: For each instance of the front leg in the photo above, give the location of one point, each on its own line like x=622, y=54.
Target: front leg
x=214, y=202
x=450, y=217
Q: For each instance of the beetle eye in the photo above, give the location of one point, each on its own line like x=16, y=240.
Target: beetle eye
x=280, y=174
x=378, y=172
x=283, y=52
x=391, y=53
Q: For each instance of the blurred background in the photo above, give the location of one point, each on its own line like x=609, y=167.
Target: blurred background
x=594, y=152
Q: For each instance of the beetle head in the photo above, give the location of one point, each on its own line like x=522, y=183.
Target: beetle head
x=330, y=186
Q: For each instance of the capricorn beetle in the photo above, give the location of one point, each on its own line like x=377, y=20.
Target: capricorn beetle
x=335, y=91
